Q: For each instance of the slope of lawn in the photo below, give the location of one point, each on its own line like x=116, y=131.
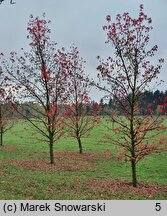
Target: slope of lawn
x=25, y=172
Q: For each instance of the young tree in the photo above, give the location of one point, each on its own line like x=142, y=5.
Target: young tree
x=6, y=121
x=80, y=121
x=41, y=78
x=126, y=77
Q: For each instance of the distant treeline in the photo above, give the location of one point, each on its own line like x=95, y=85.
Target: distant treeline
x=156, y=100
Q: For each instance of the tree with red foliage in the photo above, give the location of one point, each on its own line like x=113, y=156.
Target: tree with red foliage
x=40, y=76
x=80, y=120
x=126, y=77
x=6, y=121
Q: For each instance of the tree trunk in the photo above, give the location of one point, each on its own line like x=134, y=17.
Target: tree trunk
x=134, y=177
x=1, y=126
x=51, y=151
x=1, y=138
x=80, y=146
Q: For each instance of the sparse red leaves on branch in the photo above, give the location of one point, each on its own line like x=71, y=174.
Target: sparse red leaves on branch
x=127, y=76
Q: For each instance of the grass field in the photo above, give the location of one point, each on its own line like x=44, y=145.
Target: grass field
x=25, y=172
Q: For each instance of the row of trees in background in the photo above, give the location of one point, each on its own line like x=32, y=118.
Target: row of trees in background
x=47, y=86
x=157, y=100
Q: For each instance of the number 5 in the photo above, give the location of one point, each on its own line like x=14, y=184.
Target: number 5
x=158, y=207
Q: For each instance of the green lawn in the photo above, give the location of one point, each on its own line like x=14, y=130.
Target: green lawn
x=25, y=172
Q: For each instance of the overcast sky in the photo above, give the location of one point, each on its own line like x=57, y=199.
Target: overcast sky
x=80, y=22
